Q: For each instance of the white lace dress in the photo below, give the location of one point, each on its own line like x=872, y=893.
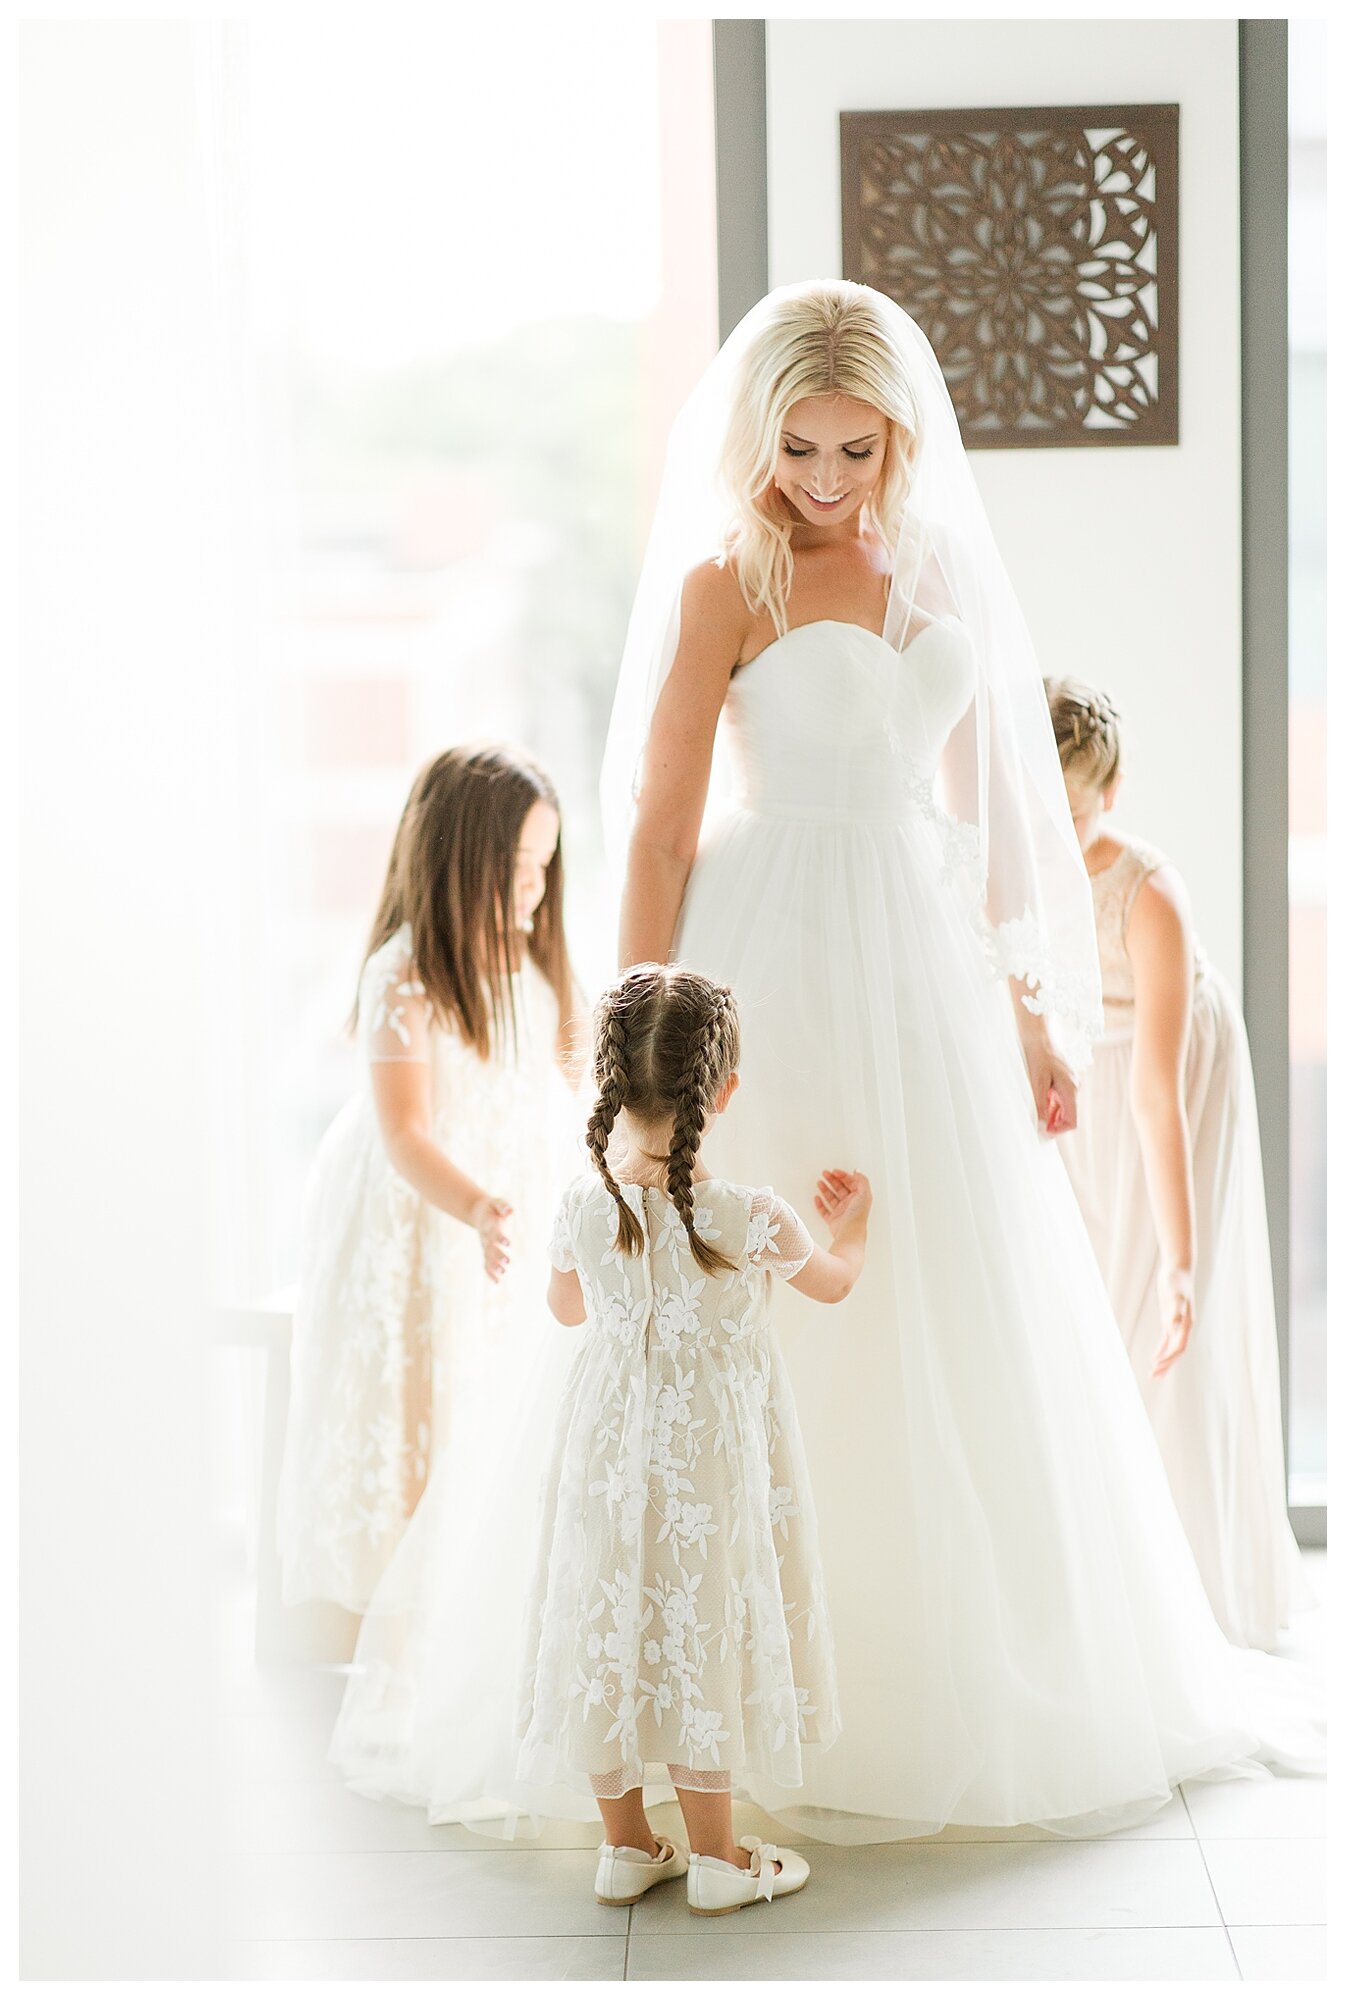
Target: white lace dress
x=1217, y=1411
x=678, y=1625
x=397, y=1328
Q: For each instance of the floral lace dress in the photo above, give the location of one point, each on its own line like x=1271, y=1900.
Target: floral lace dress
x=397, y=1329
x=678, y=1622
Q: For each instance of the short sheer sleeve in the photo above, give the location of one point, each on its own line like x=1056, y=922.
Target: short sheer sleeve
x=778, y=1239
x=394, y=1013
x=561, y=1248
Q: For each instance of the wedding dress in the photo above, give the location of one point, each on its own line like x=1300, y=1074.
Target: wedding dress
x=1021, y=1633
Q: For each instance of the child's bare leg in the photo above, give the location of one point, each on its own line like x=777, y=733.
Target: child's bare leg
x=709, y=1818
x=625, y=1824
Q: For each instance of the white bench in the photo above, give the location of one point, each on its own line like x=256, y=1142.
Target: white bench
x=281, y=1632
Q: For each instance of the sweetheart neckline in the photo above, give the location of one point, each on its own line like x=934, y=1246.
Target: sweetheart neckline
x=846, y=625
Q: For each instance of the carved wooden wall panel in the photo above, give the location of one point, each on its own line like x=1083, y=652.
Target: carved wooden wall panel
x=1038, y=249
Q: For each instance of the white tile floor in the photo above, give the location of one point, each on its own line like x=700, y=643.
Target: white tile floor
x=1228, y=1882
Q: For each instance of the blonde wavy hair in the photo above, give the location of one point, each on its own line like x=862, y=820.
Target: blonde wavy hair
x=831, y=340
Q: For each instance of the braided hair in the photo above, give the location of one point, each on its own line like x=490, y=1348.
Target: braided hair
x=665, y=1041
x=1087, y=728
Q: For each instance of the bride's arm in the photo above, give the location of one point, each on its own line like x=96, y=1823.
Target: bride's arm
x=713, y=626
x=1008, y=895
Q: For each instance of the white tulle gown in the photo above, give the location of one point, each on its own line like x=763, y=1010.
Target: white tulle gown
x=1021, y=1632
x=1217, y=1411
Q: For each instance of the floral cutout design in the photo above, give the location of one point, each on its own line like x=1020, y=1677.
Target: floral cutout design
x=1038, y=251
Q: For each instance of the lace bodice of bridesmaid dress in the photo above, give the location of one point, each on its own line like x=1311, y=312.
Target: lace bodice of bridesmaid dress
x=1115, y=889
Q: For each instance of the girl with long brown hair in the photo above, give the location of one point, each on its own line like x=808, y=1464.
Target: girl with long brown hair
x=436, y=1173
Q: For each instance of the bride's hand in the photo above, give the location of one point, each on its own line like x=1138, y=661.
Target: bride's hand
x=1053, y=1084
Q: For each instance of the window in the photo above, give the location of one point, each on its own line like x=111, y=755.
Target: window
x=1308, y=765
x=480, y=290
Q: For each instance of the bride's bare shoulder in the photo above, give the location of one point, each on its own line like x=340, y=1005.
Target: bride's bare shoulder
x=713, y=607
x=713, y=590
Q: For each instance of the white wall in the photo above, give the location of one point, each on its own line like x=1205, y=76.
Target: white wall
x=1127, y=559
x=120, y=698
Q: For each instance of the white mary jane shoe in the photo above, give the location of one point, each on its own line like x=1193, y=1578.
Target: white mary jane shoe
x=625, y=1873
x=715, y=1888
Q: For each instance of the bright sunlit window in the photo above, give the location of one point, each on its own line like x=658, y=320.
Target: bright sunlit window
x=475, y=312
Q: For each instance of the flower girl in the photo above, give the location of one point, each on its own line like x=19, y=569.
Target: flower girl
x=1166, y=1164
x=678, y=1625
x=433, y=1171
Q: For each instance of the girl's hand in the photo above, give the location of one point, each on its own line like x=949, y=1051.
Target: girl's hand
x=488, y=1219
x=1177, y=1299
x=1053, y=1084
x=842, y=1198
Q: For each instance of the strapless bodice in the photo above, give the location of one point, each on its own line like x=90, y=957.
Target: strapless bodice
x=831, y=721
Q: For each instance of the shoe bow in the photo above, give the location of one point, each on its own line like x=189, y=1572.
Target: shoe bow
x=764, y=1860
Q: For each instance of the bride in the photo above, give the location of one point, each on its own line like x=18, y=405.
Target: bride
x=881, y=863
x=833, y=775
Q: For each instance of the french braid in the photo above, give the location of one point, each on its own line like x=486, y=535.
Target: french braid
x=704, y=1073
x=689, y=1122
x=1087, y=729
x=666, y=1039
x=614, y=1087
